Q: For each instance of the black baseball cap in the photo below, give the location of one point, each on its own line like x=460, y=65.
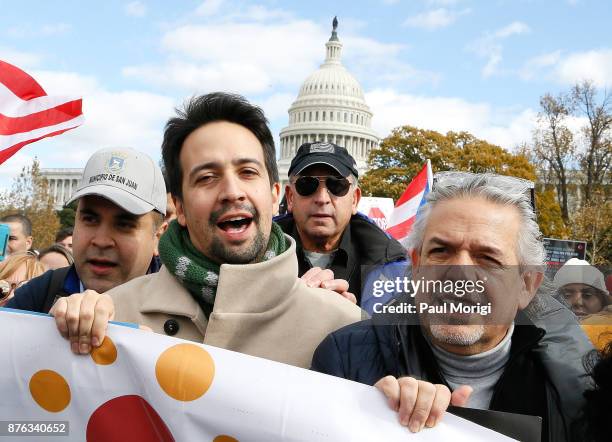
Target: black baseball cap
x=329, y=154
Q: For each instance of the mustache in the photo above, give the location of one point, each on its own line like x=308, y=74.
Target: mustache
x=215, y=215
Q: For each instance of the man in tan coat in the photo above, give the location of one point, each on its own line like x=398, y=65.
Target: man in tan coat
x=230, y=274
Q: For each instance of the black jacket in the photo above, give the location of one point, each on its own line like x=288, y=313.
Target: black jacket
x=532, y=383
x=363, y=243
x=40, y=293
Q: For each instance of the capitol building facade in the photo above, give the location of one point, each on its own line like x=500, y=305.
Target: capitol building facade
x=330, y=106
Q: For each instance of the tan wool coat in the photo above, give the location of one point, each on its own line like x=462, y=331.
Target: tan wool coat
x=260, y=309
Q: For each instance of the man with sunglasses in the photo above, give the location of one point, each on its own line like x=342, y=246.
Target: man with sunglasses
x=322, y=198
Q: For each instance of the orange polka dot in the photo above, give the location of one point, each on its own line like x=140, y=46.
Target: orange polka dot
x=50, y=390
x=106, y=353
x=185, y=371
x=225, y=438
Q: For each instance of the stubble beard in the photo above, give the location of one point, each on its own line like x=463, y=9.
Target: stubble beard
x=460, y=335
x=239, y=254
x=252, y=253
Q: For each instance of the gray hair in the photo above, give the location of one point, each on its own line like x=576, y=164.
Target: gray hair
x=498, y=189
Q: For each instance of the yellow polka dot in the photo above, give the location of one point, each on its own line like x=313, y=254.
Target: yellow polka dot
x=185, y=371
x=225, y=438
x=50, y=390
x=105, y=354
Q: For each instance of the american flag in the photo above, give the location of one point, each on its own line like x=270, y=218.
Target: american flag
x=408, y=205
x=28, y=114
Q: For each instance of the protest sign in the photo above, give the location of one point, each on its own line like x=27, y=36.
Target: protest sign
x=141, y=386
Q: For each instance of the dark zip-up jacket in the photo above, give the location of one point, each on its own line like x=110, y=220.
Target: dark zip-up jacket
x=363, y=243
x=537, y=380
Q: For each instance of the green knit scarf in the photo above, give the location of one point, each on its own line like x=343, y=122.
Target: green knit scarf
x=198, y=274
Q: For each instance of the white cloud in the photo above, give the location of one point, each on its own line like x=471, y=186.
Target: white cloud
x=535, y=65
x=136, y=9
x=434, y=19
x=25, y=30
x=55, y=29
x=209, y=7
x=567, y=69
x=12, y=167
x=490, y=47
x=123, y=118
x=593, y=65
x=505, y=127
x=277, y=105
x=199, y=78
x=443, y=2
x=514, y=28
x=21, y=59
x=253, y=58
x=256, y=57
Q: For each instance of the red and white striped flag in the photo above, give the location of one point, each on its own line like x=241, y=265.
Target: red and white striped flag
x=28, y=114
x=408, y=205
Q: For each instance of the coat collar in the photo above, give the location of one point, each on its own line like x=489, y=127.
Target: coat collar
x=241, y=288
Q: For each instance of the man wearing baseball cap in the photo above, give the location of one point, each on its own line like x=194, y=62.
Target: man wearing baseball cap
x=322, y=198
x=121, y=205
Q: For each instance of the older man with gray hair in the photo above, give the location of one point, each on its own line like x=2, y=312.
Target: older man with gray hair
x=516, y=352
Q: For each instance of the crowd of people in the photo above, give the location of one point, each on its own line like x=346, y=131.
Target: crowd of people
x=21, y=263
x=195, y=252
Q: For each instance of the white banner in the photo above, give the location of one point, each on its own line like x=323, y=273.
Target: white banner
x=378, y=209
x=142, y=386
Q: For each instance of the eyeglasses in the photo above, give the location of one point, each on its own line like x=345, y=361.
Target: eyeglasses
x=451, y=178
x=307, y=185
x=7, y=287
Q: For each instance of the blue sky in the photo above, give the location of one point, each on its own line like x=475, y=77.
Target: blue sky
x=479, y=66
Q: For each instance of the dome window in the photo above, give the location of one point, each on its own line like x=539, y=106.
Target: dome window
x=323, y=115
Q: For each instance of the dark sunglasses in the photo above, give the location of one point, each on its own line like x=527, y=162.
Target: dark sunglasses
x=307, y=185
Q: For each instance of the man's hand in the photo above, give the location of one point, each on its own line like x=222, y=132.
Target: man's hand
x=324, y=278
x=83, y=318
x=420, y=403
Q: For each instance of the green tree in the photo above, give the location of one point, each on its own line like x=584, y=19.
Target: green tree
x=549, y=215
x=66, y=215
x=30, y=196
x=402, y=154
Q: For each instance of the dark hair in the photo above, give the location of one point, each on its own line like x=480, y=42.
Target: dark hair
x=63, y=234
x=26, y=224
x=593, y=423
x=217, y=106
x=58, y=248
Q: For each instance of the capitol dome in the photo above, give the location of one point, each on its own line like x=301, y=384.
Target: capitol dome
x=329, y=107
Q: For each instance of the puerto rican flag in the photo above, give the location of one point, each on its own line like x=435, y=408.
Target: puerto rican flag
x=28, y=114
x=408, y=205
